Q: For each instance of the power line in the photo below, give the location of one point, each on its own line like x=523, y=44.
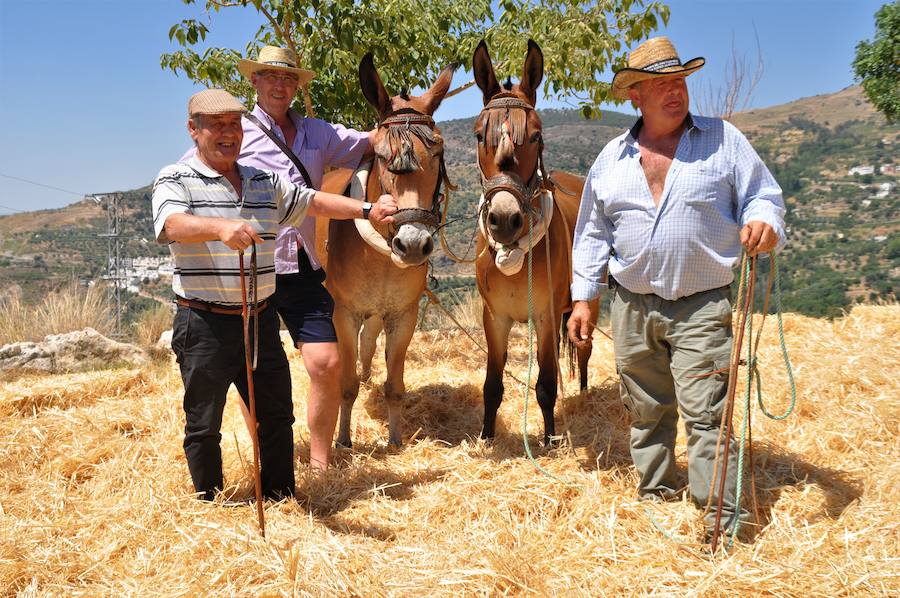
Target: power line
x=42, y=185
x=12, y=209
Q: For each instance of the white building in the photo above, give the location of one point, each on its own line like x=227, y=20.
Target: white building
x=884, y=189
x=861, y=170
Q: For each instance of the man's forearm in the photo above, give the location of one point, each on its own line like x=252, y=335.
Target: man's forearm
x=335, y=206
x=187, y=228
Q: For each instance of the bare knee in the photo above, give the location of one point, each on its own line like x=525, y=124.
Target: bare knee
x=322, y=361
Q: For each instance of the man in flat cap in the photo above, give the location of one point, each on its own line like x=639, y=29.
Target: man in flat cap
x=207, y=209
x=665, y=210
x=279, y=139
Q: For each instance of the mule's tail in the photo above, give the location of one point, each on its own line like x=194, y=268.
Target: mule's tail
x=568, y=347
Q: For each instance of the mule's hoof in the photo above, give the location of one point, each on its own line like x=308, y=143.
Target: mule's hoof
x=395, y=444
x=343, y=444
x=553, y=442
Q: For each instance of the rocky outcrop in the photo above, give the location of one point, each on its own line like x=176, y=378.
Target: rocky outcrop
x=81, y=350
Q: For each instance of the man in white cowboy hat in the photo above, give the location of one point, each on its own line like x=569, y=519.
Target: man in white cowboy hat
x=666, y=208
x=300, y=298
x=206, y=209
x=305, y=305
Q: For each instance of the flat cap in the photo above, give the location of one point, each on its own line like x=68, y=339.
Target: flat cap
x=213, y=101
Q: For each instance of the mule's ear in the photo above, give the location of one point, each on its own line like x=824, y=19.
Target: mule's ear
x=483, y=70
x=372, y=87
x=532, y=72
x=435, y=94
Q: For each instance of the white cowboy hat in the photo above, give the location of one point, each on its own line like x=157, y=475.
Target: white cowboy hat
x=655, y=57
x=272, y=58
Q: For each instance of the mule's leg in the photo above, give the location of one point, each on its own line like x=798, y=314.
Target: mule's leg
x=367, y=340
x=398, y=333
x=546, y=388
x=496, y=332
x=347, y=327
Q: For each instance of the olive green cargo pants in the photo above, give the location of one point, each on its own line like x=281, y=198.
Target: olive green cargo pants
x=665, y=351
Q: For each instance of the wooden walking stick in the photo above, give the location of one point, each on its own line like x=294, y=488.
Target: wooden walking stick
x=251, y=367
x=747, y=306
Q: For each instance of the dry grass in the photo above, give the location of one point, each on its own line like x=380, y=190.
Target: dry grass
x=151, y=323
x=71, y=307
x=464, y=309
x=95, y=495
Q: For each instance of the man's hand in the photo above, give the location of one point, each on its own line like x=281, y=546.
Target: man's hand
x=383, y=209
x=237, y=234
x=580, y=326
x=758, y=237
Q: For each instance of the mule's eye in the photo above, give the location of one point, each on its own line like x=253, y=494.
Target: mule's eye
x=535, y=137
x=479, y=136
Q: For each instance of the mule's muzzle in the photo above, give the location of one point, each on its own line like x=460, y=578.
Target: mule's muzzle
x=504, y=219
x=412, y=244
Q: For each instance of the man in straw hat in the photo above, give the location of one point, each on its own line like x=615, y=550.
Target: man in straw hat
x=300, y=296
x=666, y=208
x=207, y=209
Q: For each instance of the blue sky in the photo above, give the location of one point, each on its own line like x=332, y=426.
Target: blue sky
x=89, y=110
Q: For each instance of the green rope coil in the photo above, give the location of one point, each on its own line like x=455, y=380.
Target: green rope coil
x=784, y=353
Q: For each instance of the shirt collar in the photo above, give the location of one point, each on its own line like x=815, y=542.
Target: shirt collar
x=197, y=164
x=270, y=122
x=690, y=123
x=202, y=169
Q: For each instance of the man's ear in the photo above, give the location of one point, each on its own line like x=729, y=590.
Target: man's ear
x=635, y=96
x=192, y=129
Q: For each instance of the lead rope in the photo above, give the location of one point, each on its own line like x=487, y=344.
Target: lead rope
x=744, y=306
x=753, y=372
x=530, y=365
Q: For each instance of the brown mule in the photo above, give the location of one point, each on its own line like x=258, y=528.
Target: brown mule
x=516, y=198
x=377, y=276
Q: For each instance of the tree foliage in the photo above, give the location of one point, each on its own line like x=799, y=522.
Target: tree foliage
x=412, y=40
x=877, y=62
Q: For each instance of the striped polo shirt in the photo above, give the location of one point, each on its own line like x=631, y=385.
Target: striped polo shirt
x=209, y=270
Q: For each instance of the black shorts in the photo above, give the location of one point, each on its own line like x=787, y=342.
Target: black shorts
x=305, y=307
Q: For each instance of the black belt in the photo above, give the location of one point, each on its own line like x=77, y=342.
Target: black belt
x=217, y=308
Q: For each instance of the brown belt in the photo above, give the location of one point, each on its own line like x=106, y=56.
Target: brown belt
x=217, y=308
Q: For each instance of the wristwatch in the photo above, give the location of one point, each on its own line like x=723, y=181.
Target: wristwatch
x=367, y=207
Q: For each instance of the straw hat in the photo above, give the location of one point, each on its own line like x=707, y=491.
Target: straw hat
x=272, y=58
x=213, y=101
x=653, y=58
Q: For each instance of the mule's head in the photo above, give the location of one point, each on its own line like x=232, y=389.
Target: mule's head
x=409, y=154
x=508, y=131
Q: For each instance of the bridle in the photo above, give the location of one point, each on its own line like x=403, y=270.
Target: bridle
x=430, y=218
x=525, y=192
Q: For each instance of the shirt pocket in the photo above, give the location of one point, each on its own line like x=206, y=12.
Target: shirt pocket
x=710, y=187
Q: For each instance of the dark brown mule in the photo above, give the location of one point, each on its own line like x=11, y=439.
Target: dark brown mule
x=516, y=193
x=377, y=276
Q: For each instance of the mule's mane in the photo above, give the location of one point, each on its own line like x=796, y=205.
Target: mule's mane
x=402, y=158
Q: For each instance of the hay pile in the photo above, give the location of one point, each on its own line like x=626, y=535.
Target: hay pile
x=94, y=490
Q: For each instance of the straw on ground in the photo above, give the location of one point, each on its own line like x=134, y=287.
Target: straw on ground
x=95, y=494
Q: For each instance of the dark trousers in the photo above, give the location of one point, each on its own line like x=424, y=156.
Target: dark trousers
x=210, y=351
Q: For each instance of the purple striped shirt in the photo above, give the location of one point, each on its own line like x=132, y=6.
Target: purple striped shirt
x=318, y=144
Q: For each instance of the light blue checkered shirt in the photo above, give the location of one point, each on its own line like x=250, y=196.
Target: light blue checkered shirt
x=715, y=185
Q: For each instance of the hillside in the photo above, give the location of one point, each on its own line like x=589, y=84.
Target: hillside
x=95, y=494
x=843, y=243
